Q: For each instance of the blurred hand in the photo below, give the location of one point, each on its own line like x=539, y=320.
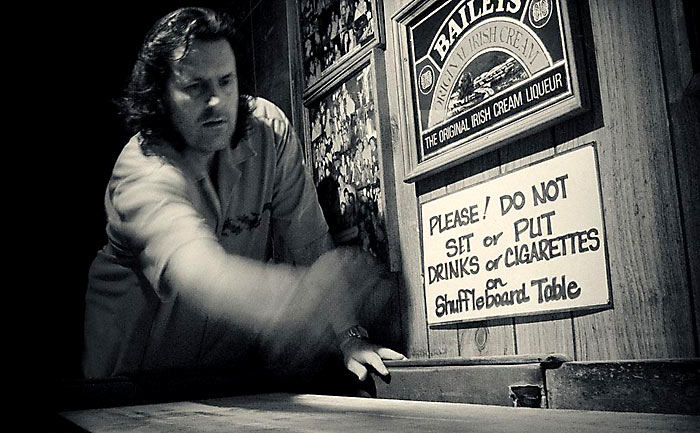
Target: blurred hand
x=359, y=353
x=326, y=298
x=338, y=283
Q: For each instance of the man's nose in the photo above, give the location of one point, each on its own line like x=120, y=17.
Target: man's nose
x=213, y=100
x=214, y=95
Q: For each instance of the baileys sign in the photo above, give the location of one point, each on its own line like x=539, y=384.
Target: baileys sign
x=479, y=73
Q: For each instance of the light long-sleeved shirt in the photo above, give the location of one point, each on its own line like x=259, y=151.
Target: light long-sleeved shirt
x=261, y=205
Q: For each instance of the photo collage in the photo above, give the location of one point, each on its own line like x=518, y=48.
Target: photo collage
x=330, y=29
x=344, y=156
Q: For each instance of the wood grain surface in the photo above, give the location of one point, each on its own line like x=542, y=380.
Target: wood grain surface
x=313, y=413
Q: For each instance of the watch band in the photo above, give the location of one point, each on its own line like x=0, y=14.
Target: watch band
x=355, y=331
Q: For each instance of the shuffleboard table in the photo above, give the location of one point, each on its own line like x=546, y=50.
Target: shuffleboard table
x=280, y=412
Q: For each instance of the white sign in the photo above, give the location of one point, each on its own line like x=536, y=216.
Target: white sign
x=529, y=242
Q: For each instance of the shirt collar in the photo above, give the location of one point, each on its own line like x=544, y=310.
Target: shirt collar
x=228, y=158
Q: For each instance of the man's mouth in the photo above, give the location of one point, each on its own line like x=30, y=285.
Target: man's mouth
x=214, y=122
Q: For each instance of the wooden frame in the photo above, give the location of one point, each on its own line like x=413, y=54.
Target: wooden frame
x=344, y=140
x=476, y=77
x=328, y=40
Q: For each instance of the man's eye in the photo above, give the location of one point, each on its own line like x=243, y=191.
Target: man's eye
x=226, y=81
x=193, y=88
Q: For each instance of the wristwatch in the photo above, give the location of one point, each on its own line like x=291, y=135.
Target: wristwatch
x=355, y=331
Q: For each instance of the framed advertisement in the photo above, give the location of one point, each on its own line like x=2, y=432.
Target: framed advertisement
x=344, y=152
x=332, y=31
x=479, y=74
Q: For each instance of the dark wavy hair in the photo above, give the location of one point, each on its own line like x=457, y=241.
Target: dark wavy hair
x=143, y=106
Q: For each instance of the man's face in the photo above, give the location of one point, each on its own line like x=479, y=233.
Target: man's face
x=202, y=95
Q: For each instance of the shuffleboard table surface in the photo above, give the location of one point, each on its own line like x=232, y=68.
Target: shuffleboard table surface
x=320, y=413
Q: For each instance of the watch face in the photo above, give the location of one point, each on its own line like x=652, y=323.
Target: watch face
x=357, y=332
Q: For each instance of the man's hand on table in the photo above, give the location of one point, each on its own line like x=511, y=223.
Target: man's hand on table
x=359, y=353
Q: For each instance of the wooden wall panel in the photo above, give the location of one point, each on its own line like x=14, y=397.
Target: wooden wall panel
x=651, y=316
x=443, y=340
x=270, y=43
x=494, y=337
x=413, y=304
x=296, y=80
x=244, y=48
x=548, y=333
x=684, y=112
x=487, y=338
x=390, y=326
x=446, y=341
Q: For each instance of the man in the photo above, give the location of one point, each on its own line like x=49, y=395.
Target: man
x=209, y=189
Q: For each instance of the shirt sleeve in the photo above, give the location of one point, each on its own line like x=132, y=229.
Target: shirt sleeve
x=297, y=217
x=153, y=216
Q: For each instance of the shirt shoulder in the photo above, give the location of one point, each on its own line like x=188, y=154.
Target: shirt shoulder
x=142, y=174
x=266, y=110
x=139, y=161
x=270, y=127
